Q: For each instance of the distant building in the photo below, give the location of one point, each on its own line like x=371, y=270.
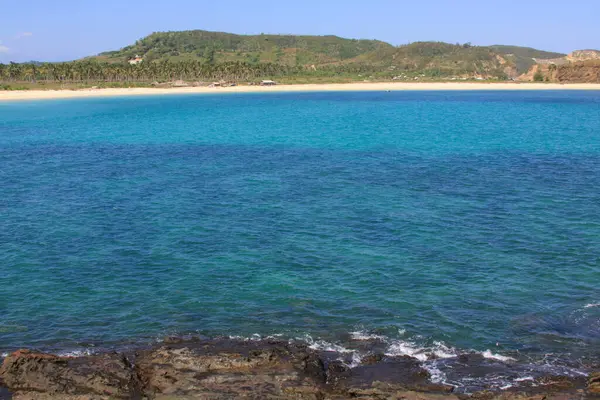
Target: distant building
x=136, y=60
x=268, y=83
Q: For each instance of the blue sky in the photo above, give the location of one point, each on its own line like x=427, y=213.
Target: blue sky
x=68, y=29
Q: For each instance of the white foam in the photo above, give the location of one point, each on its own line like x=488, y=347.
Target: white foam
x=406, y=348
x=275, y=336
x=436, y=375
x=360, y=335
x=442, y=351
x=525, y=379
x=256, y=337
x=400, y=348
x=4, y=355
x=76, y=353
x=592, y=305
x=490, y=355
x=322, y=345
x=356, y=360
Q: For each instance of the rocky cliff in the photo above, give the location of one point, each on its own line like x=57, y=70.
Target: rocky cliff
x=580, y=66
x=578, y=72
x=583, y=55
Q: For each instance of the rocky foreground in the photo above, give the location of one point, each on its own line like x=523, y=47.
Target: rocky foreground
x=229, y=369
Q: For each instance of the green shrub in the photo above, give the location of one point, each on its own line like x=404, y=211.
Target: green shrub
x=9, y=87
x=538, y=77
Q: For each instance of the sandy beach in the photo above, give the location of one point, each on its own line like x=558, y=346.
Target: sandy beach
x=379, y=86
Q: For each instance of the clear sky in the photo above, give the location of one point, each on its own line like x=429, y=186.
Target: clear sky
x=68, y=29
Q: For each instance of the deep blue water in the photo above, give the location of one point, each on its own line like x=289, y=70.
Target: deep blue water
x=454, y=220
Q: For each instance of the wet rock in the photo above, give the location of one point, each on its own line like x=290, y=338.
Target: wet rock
x=372, y=359
x=313, y=366
x=484, y=395
x=230, y=370
x=383, y=391
x=104, y=375
x=471, y=359
x=594, y=383
x=337, y=371
x=4, y=393
x=195, y=368
x=556, y=383
x=390, y=375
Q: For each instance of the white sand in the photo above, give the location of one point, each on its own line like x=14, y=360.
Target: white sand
x=330, y=87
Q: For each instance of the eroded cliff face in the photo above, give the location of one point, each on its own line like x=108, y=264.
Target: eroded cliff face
x=578, y=72
x=226, y=369
x=581, y=66
x=583, y=55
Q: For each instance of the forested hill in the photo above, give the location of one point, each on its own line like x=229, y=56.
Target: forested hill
x=431, y=58
x=222, y=47
x=201, y=56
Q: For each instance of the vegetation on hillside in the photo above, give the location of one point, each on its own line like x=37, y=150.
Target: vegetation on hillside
x=418, y=60
x=215, y=47
x=212, y=56
x=527, y=52
x=523, y=57
x=439, y=59
x=429, y=57
x=93, y=71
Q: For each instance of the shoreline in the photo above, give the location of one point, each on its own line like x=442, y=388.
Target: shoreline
x=329, y=87
x=226, y=368
x=360, y=359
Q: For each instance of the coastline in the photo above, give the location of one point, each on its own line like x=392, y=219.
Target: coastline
x=333, y=87
x=225, y=368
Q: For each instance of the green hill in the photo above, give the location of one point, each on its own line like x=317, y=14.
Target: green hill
x=438, y=59
x=435, y=59
x=199, y=56
x=526, y=52
x=221, y=47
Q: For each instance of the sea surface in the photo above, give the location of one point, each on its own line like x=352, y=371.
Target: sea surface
x=431, y=223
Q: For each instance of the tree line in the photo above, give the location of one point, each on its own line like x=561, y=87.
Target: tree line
x=93, y=71
x=198, y=70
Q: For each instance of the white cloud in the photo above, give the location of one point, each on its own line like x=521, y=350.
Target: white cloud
x=4, y=49
x=23, y=35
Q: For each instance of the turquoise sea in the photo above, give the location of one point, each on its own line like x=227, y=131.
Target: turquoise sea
x=436, y=222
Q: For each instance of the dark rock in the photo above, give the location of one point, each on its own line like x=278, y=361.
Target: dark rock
x=231, y=370
x=556, y=383
x=372, y=359
x=5, y=394
x=314, y=367
x=395, y=373
x=226, y=369
x=484, y=395
x=106, y=375
x=471, y=358
x=594, y=383
x=336, y=371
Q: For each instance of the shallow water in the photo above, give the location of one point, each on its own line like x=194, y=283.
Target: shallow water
x=442, y=221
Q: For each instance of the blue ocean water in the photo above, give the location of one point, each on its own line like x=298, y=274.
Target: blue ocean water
x=438, y=220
